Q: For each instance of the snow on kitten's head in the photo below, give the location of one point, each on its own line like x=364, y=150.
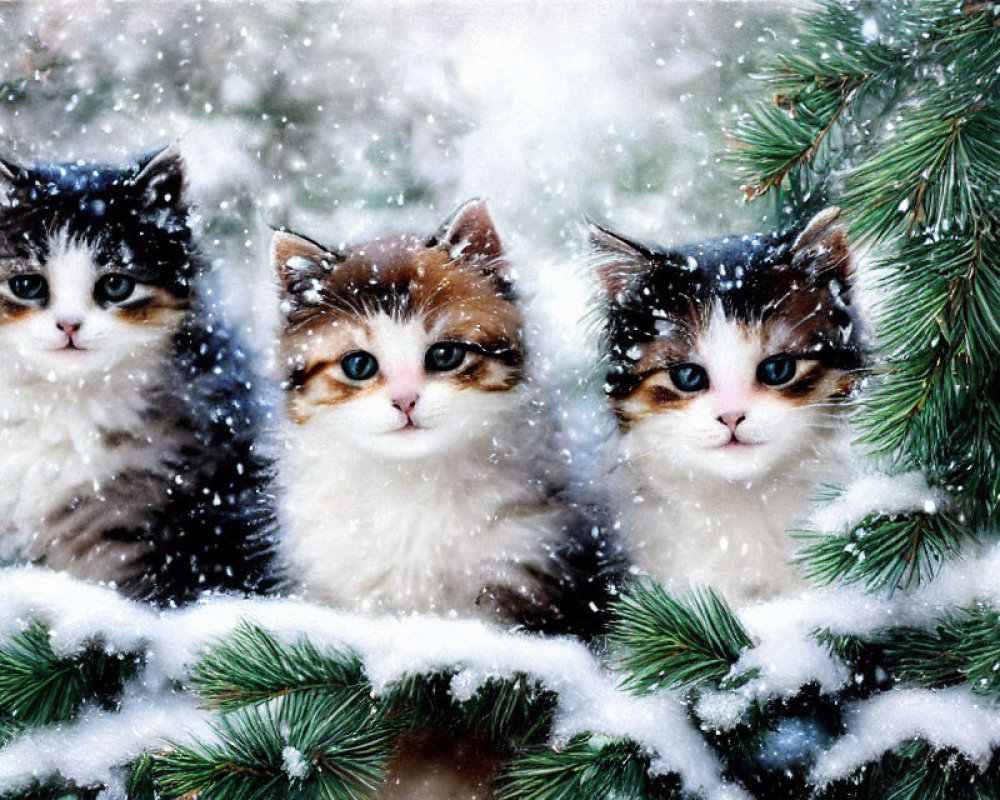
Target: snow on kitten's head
x=401, y=347
x=95, y=263
x=729, y=358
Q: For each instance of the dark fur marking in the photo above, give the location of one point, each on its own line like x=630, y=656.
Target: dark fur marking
x=665, y=396
x=804, y=384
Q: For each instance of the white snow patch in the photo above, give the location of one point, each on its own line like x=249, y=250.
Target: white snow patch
x=75, y=613
x=87, y=751
x=944, y=718
x=878, y=494
x=869, y=29
x=722, y=710
x=294, y=763
x=787, y=656
x=465, y=684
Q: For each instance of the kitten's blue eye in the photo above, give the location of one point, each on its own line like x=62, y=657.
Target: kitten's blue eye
x=359, y=365
x=689, y=377
x=29, y=286
x=114, y=288
x=776, y=370
x=444, y=356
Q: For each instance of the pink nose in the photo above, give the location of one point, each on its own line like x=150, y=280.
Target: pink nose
x=732, y=419
x=69, y=328
x=406, y=402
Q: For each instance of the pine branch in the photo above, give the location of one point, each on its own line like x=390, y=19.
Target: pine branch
x=890, y=552
x=929, y=177
x=659, y=641
x=813, y=89
x=835, y=68
x=139, y=783
x=9, y=728
x=55, y=790
x=511, y=713
x=916, y=771
x=37, y=687
x=942, y=328
x=961, y=648
x=251, y=665
x=301, y=745
x=586, y=768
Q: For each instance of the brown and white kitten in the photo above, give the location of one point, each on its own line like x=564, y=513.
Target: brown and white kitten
x=406, y=487
x=730, y=364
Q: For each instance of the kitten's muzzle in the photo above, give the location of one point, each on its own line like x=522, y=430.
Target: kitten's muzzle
x=71, y=328
x=732, y=420
x=406, y=403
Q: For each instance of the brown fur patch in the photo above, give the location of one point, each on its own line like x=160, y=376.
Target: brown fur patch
x=793, y=325
x=12, y=312
x=806, y=382
x=674, y=348
x=485, y=374
x=323, y=388
x=164, y=309
x=655, y=394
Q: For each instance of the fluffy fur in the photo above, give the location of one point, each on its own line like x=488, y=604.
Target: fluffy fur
x=409, y=490
x=127, y=446
x=730, y=362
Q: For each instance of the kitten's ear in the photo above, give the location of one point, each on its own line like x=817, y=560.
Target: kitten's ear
x=12, y=177
x=469, y=235
x=619, y=260
x=822, y=249
x=295, y=258
x=161, y=179
x=11, y=174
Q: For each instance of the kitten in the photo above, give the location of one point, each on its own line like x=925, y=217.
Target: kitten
x=730, y=364
x=128, y=413
x=407, y=462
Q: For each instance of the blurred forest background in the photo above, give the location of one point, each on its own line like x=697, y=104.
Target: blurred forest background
x=349, y=120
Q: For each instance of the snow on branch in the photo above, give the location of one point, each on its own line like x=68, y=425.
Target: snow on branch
x=880, y=494
x=78, y=615
x=949, y=718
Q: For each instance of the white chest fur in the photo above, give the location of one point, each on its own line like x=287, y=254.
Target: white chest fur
x=425, y=535
x=64, y=452
x=688, y=530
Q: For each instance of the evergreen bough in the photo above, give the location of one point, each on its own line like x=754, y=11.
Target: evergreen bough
x=890, y=110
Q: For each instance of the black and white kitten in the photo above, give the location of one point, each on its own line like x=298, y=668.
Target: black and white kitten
x=128, y=414
x=730, y=364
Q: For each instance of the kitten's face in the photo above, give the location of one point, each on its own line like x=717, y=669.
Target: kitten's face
x=94, y=267
x=401, y=348
x=730, y=358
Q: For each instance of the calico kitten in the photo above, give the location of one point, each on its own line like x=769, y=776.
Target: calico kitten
x=407, y=462
x=128, y=412
x=730, y=363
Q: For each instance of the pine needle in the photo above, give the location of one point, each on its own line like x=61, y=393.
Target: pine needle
x=37, y=687
x=660, y=641
x=585, y=769
x=306, y=745
x=251, y=665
